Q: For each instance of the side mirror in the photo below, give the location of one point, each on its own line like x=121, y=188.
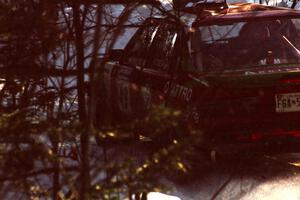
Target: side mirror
x=115, y=54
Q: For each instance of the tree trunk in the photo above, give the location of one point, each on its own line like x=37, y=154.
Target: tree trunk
x=56, y=166
x=93, y=69
x=84, y=137
x=294, y=4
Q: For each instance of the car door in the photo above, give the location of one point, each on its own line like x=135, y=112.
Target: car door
x=125, y=75
x=187, y=86
x=160, y=64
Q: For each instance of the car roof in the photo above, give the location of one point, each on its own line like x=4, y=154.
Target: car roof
x=242, y=11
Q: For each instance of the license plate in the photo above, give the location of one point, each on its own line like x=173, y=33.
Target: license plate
x=289, y=102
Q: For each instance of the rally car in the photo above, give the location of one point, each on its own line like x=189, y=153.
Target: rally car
x=234, y=71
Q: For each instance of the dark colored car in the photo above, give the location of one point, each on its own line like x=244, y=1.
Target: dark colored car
x=234, y=72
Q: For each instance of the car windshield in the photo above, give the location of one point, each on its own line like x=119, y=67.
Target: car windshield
x=246, y=44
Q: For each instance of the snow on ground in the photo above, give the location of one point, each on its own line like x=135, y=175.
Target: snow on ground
x=251, y=179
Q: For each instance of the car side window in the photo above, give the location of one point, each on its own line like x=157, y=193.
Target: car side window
x=162, y=47
x=136, y=50
x=186, y=63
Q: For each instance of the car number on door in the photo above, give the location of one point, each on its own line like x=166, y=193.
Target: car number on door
x=289, y=102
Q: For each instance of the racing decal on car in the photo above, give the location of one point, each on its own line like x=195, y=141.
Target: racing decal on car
x=178, y=91
x=124, y=96
x=192, y=115
x=124, y=89
x=107, y=78
x=147, y=97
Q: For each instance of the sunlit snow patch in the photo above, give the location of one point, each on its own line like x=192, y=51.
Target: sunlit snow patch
x=2, y=83
x=287, y=189
x=160, y=196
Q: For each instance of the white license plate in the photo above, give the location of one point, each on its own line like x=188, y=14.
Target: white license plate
x=289, y=102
